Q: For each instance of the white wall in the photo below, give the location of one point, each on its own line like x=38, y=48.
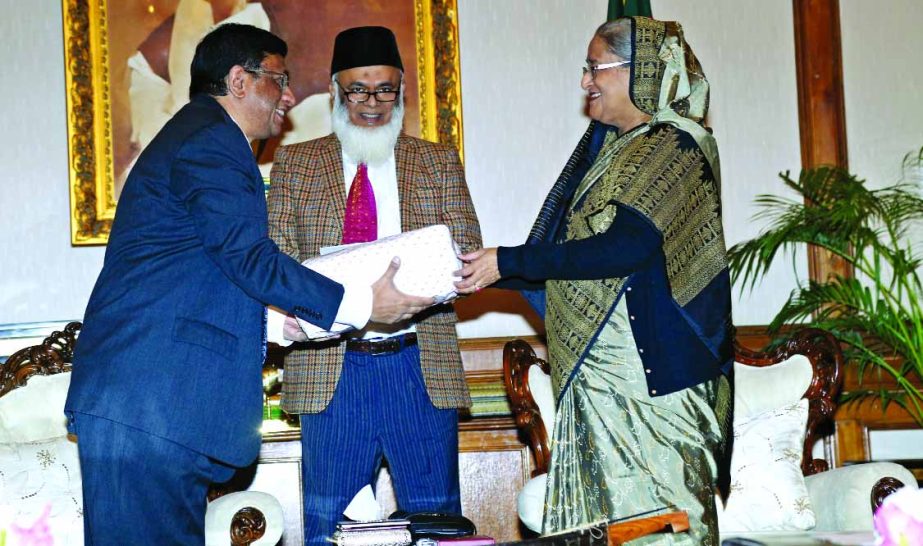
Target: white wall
x=747, y=49
x=523, y=115
x=42, y=276
x=883, y=86
x=522, y=103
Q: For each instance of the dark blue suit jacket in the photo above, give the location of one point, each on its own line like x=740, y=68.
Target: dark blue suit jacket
x=173, y=335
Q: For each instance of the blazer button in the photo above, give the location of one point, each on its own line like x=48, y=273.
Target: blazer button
x=632, y=317
x=648, y=370
x=653, y=391
x=641, y=351
x=628, y=289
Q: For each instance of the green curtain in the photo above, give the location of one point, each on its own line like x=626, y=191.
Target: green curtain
x=623, y=8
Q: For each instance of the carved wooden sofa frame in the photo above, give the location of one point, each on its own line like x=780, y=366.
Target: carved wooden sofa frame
x=53, y=356
x=820, y=347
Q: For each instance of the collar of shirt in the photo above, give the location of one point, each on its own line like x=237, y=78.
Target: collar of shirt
x=238, y=126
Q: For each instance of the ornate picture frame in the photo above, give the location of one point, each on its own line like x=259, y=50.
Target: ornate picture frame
x=91, y=98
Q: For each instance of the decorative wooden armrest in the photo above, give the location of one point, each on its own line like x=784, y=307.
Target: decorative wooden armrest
x=51, y=356
x=826, y=358
x=518, y=357
x=882, y=489
x=248, y=524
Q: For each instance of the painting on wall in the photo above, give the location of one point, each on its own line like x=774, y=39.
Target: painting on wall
x=127, y=72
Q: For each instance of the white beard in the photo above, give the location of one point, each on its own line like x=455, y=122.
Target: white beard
x=369, y=145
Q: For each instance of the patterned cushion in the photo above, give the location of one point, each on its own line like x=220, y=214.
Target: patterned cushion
x=768, y=491
x=36, y=477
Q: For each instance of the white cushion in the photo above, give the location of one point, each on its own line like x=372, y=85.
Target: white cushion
x=221, y=511
x=36, y=477
x=35, y=411
x=530, y=502
x=757, y=389
x=768, y=490
x=540, y=386
x=840, y=496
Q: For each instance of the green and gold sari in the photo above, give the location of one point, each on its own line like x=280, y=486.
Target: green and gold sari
x=619, y=450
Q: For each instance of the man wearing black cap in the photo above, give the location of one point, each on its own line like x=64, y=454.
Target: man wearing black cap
x=383, y=392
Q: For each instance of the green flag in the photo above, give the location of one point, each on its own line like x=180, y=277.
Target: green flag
x=623, y=8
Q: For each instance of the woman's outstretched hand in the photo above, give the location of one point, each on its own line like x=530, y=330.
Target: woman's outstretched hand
x=480, y=270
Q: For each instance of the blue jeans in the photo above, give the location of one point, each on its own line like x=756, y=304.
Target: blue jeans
x=141, y=489
x=380, y=409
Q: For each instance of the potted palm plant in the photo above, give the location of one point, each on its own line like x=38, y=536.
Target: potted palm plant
x=876, y=312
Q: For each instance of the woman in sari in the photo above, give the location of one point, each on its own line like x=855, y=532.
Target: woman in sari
x=627, y=263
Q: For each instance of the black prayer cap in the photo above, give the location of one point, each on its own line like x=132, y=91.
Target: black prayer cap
x=365, y=46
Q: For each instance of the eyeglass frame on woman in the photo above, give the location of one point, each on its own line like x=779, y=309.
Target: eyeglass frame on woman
x=368, y=94
x=593, y=69
x=281, y=78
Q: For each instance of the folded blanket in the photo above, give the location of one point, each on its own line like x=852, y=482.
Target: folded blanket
x=428, y=256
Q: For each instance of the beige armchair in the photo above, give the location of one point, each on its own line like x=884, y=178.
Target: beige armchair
x=39, y=467
x=784, y=402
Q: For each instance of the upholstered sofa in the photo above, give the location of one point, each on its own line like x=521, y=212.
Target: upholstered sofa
x=784, y=402
x=40, y=492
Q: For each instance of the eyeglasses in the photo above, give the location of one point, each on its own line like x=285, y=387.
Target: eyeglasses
x=381, y=95
x=594, y=68
x=280, y=78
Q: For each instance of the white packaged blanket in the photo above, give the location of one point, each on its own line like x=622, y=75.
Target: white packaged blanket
x=429, y=257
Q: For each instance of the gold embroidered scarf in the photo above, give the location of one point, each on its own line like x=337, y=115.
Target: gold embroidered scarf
x=648, y=171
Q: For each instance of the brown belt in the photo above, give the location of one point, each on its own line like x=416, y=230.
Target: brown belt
x=384, y=346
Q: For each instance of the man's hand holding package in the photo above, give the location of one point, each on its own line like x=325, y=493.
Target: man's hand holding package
x=291, y=330
x=418, y=272
x=390, y=305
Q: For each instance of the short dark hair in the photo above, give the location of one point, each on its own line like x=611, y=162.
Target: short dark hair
x=223, y=48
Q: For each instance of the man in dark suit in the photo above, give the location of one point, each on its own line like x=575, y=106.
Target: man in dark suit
x=382, y=392
x=166, y=396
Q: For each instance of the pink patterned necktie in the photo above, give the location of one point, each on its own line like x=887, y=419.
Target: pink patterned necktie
x=360, y=224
